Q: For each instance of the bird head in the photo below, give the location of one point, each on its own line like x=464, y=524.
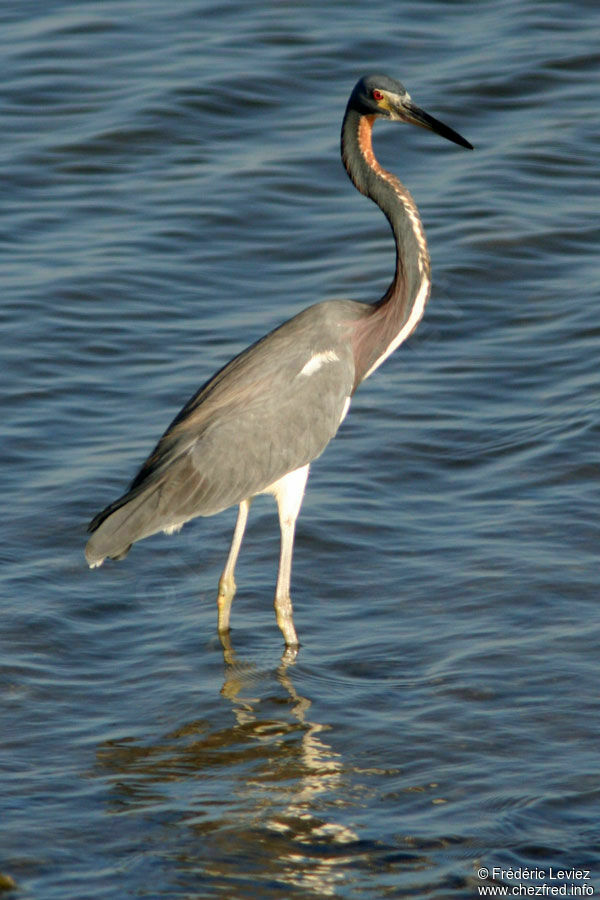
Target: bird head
x=383, y=97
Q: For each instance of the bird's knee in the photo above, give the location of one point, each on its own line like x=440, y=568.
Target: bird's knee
x=227, y=588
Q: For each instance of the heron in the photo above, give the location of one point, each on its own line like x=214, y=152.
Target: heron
x=256, y=425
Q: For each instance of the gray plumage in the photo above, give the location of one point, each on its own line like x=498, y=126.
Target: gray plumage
x=258, y=423
x=209, y=458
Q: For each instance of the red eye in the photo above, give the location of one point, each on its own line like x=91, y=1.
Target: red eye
x=377, y=95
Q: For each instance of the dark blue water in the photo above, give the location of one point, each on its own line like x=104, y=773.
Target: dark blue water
x=171, y=190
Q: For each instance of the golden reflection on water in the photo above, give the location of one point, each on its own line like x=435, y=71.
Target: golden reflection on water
x=274, y=813
x=319, y=774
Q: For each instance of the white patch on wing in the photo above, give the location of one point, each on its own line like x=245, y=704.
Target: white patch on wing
x=316, y=361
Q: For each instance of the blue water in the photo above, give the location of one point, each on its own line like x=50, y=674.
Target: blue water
x=171, y=190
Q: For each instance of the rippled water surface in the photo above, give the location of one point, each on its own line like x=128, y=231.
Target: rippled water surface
x=171, y=190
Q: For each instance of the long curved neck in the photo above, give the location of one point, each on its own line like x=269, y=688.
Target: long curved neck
x=393, y=318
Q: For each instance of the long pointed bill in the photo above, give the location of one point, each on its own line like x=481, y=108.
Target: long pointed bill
x=412, y=113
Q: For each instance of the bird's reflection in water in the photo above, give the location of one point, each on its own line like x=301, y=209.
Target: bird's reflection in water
x=262, y=796
x=299, y=812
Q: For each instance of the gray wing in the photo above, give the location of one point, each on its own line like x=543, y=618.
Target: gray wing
x=271, y=410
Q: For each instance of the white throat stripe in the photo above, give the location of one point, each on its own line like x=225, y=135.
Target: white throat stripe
x=411, y=323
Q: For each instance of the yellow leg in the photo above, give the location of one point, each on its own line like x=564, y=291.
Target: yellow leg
x=288, y=493
x=227, y=581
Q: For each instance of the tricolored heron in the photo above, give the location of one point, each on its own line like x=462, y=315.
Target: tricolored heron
x=255, y=427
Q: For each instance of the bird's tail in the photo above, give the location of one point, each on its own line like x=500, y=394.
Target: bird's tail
x=132, y=517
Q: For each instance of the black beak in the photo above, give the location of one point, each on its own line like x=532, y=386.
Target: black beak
x=412, y=113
